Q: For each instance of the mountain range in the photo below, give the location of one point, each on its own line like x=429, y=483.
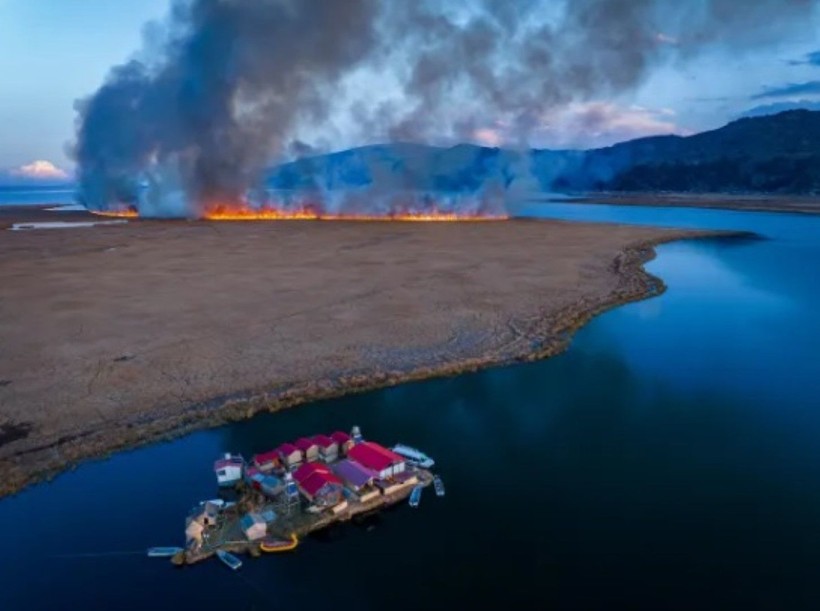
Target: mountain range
x=770, y=154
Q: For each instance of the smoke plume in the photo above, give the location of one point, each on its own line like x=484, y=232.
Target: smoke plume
x=225, y=87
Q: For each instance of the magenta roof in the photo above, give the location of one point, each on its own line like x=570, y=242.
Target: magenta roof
x=373, y=456
x=266, y=457
x=313, y=484
x=309, y=469
x=323, y=441
x=304, y=444
x=340, y=437
x=287, y=449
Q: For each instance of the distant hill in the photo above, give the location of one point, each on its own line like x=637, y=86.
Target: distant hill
x=777, y=153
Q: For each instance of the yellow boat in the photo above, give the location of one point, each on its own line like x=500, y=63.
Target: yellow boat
x=270, y=545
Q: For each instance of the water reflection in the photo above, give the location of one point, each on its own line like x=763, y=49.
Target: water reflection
x=668, y=459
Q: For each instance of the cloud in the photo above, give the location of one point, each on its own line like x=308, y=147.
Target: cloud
x=593, y=124
x=40, y=170
x=585, y=125
x=776, y=107
x=809, y=59
x=790, y=89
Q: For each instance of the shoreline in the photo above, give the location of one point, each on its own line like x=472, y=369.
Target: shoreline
x=798, y=204
x=546, y=335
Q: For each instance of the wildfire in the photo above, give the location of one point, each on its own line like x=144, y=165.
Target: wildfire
x=241, y=213
x=123, y=213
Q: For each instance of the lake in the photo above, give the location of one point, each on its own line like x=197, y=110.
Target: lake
x=669, y=459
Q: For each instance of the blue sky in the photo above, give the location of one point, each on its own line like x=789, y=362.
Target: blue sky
x=53, y=52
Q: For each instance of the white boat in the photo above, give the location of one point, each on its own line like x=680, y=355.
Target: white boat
x=414, y=456
x=438, y=485
x=415, y=496
x=229, y=469
x=231, y=561
x=163, y=552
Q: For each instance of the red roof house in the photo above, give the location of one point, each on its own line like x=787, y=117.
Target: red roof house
x=290, y=454
x=308, y=448
x=267, y=461
x=377, y=458
x=323, y=488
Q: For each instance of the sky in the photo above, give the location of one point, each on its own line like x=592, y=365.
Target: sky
x=54, y=52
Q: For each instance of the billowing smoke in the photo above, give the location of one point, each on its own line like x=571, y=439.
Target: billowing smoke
x=226, y=87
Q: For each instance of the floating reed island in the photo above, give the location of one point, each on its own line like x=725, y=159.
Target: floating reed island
x=267, y=504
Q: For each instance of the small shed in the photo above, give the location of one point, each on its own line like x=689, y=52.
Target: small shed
x=308, y=448
x=267, y=461
x=343, y=440
x=254, y=526
x=328, y=449
x=228, y=470
x=289, y=454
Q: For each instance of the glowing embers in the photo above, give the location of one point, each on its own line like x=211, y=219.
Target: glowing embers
x=231, y=213
x=123, y=213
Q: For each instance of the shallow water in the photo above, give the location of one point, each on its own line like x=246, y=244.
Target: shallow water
x=32, y=196
x=669, y=459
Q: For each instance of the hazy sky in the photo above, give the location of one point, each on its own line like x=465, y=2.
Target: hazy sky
x=53, y=52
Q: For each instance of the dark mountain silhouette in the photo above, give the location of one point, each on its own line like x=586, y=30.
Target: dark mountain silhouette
x=775, y=154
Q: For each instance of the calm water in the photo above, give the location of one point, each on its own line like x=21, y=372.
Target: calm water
x=669, y=459
x=31, y=196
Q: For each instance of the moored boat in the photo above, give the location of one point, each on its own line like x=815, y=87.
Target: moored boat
x=414, y=456
x=272, y=545
x=415, y=496
x=438, y=484
x=229, y=470
x=163, y=552
x=231, y=561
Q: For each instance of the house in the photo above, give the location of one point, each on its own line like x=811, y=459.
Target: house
x=344, y=441
x=228, y=469
x=253, y=525
x=355, y=476
x=322, y=488
x=372, y=456
x=328, y=449
x=289, y=454
x=267, y=461
x=308, y=448
x=318, y=483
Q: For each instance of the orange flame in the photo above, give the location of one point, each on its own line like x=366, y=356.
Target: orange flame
x=245, y=213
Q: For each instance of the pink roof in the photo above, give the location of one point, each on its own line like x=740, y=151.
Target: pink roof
x=323, y=441
x=286, y=449
x=304, y=444
x=395, y=458
x=233, y=461
x=373, y=456
x=340, y=437
x=313, y=484
x=308, y=469
x=266, y=457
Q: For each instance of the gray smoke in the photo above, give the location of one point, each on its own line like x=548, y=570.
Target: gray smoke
x=226, y=86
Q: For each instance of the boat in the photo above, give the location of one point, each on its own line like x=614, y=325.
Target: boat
x=415, y=496
x=414, y=456
x=231, y=561
x=272, y=545
x=438, y=485
x=163, y=552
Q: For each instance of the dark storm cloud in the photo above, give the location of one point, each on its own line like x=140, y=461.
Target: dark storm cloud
x=791, y=89
x=227, y=84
